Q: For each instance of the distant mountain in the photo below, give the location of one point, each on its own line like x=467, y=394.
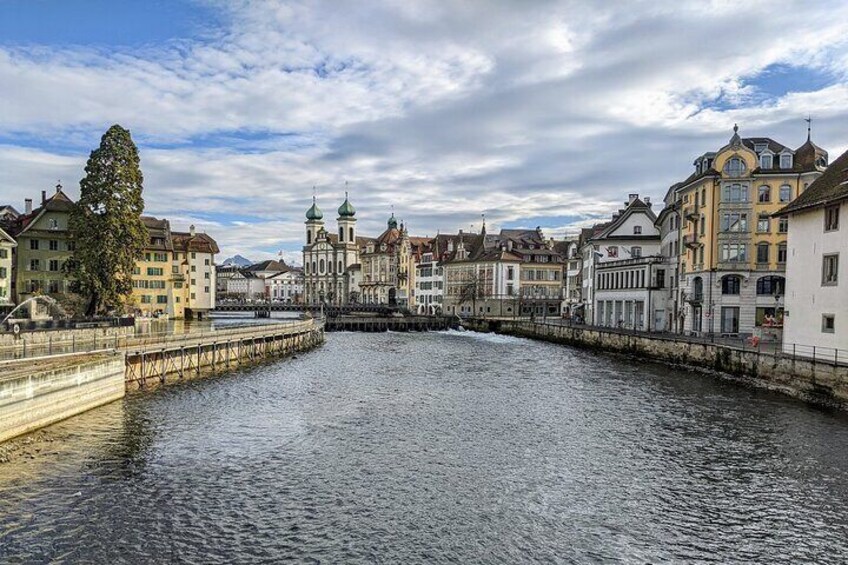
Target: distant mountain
x=238, y=261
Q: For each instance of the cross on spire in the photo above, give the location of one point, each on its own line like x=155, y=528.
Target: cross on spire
x=809, y=120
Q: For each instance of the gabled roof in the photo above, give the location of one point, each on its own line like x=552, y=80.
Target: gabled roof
x=831, y=186
x=6, y=237
x=197, y=243
x=159, y=232
x=637, y=205
x=269, y=265
x=58, y=202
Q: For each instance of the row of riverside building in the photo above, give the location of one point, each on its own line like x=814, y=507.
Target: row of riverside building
x=175, y=277
x=747, y=245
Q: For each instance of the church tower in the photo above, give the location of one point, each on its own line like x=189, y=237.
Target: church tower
x=314, y=222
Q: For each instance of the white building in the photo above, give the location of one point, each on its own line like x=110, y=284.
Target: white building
x=630, y=235
x=285, y=286
x=429, y=284
x=245, y=285
x=816, y=300
x=668, y=224
x=6, y=246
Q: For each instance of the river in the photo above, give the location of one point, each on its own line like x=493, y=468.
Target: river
x=435, y=448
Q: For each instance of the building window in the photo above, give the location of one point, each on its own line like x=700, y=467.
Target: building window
x=635, y=252
x=786, y=161
x=734, y=167
x=612, y=251
x=33, y=244
x=53, y=265
x=308, y=237
x=766, y=161
x=734, y=222
x=730, y=319
x=764, y=194
x=830, y=269
x=828, y=323
x=154, y=271
x=321, y=266
x=831, y=218
x=735, y=192
x=771, y=285
x=162, y=299
x=53, y=245
x=785, y=193
x=762, y=253
x=34, y=265
x=72, y=246
x=637, y=230
x=510, y=273
x=781, y=253
x=783, y=225
x=731, y=284
x=763, y=224
x=53, y=224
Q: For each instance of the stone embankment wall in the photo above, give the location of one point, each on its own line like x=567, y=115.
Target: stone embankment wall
x=37, y=395
x=812, y=381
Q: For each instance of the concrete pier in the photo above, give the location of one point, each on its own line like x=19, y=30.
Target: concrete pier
x=43, y=392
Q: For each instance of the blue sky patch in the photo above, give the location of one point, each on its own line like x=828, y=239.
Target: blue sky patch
x=102, y=22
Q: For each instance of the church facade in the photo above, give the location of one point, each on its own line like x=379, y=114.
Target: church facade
x=329, y=259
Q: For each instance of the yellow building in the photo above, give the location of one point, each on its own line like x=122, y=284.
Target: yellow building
x=733, y=253
x=176, y=276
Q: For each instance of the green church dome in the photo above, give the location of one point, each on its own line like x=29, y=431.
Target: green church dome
x=314, y=213
x=346, y=210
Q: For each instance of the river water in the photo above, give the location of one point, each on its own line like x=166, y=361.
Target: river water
x=436, y=448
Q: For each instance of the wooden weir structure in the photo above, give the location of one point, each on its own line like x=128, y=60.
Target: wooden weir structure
x=151, y=362
x=389, y=323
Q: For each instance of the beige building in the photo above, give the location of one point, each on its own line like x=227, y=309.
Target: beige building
x=7, y=245
x=734, y=251
x=175, y=277
x=386, y=266
x=327, y=257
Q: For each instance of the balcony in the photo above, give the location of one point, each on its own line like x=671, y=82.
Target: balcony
x=691, y=240
x=691, y=213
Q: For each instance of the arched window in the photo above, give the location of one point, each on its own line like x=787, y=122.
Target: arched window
x=308, y=238
x=731, y=284
x=351, y=238
x=785, y=193
x=341, y=269
x=766, y=161
x=698, y=289
x=314, y=270
x=734, y=167
x=764, y=194
x=321, y=266
x=771, y=285
x=341, y=234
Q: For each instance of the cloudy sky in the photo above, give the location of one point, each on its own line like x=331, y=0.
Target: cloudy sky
x=536, y=113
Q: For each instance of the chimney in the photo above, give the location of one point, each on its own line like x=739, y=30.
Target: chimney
x=191, y=231
x=648, y=201
x=631, y=197
x=28, y=206
x=43, y=197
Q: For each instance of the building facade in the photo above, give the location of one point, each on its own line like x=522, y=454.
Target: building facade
x=625, y=247
x=327, y=257
x=816, y=301
x=734, y=251
x=285, y=287
x=175, y=277
x=386, y=267
x=44, y=246
x=7, y=246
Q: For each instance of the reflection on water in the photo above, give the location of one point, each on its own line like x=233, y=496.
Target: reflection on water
x=219, y=320
x=436, y=448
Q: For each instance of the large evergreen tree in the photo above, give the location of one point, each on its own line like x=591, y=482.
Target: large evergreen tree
x=106, y=224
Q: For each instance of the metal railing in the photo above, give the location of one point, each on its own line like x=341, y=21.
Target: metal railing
x=27, y=349
x=777, y=349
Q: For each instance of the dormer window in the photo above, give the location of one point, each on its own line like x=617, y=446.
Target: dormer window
x=734, y=167
x=760, y=147
x=766, y=161
x=786, y=161
x=637, y=230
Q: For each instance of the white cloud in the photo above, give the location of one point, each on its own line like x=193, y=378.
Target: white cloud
x=521, y=110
